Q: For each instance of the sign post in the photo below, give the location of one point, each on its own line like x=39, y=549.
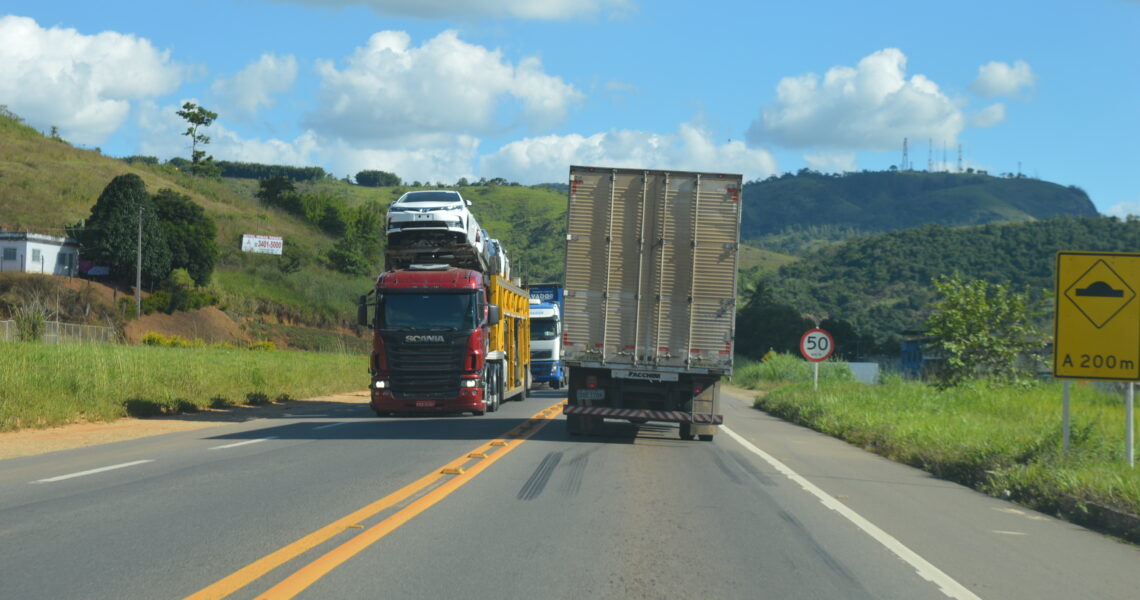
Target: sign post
x=816, y=345
x=1096, y=323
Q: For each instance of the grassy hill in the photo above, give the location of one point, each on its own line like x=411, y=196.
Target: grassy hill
x=47, y=185
x=882, y=284
x=795, y=213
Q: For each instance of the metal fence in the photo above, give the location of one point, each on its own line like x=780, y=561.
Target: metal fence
x=56, y=332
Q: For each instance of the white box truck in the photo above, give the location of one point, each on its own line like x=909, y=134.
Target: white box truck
x=650, y=296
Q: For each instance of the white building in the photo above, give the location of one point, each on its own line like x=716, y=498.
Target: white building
x=38, y=253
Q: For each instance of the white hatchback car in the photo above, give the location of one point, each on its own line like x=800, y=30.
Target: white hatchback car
x=433, y=217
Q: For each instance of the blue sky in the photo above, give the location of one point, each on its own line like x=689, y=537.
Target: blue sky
x=436, y=90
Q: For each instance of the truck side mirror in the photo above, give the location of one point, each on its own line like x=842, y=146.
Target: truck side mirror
x=492, y=315
x=362, y=312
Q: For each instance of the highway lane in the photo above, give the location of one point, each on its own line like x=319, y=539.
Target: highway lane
x=633, y=513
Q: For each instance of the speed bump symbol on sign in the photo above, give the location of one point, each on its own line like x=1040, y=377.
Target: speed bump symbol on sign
x=1100, y=294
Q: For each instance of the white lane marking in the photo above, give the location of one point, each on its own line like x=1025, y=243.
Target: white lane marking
x=331, y=425
x=247, y=442
x=927, y=571
x=94, y=471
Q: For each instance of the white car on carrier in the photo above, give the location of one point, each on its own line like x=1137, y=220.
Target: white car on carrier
x=435, y=221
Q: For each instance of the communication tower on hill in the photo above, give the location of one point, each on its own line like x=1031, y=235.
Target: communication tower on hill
x=905, y=166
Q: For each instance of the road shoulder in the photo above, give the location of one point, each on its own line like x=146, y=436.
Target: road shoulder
x=31, y=442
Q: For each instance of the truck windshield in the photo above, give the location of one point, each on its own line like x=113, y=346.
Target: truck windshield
x=436, y=312
x=543, y=329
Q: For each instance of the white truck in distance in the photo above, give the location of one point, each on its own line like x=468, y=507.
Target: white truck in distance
x=650, y=296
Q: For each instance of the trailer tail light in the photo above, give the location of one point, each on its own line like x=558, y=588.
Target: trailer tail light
x=591, y=382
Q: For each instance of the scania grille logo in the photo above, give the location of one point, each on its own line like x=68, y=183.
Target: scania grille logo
x=423, y=339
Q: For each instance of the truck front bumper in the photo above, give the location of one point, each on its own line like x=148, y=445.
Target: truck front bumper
x=468, y=400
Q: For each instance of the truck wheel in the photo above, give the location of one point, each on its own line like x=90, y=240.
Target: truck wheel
x=686, y=431
x=574, y=424
x=495, y=387
x=706, y=437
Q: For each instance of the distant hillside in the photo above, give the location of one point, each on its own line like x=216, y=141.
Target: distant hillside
x=778, y=210
x=882, y=284
x=47, y=184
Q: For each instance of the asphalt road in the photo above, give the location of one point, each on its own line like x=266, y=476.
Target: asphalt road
x=331, y=502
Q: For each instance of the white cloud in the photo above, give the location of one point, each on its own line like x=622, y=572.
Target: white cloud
x=546, y=158
x=1002, y=79
x=988, y=116
x=872, y=106
x=831, y=162
x=254, y=86
x=544, y=10
x=83, y=84
x=389, y=91
x=1122, y=210
x=439, y=163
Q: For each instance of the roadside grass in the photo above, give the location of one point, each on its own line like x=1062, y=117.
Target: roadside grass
x=1003, y=440
x=45, y=385
x=781, y=369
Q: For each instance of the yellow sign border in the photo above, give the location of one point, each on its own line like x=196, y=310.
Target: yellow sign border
x=1127, y=339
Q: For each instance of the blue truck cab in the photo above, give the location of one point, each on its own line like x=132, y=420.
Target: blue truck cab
x=546, y=335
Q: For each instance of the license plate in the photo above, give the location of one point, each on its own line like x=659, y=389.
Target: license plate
x=591, y=394
x=425, y=404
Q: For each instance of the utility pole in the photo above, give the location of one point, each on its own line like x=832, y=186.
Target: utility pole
x=138, y=270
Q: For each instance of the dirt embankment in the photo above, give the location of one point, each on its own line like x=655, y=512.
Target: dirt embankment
x=209, y=324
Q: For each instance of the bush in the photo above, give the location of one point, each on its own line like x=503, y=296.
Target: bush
x=31, y=321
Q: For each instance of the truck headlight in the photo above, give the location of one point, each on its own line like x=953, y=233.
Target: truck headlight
x=469, y=383
x=380, y=384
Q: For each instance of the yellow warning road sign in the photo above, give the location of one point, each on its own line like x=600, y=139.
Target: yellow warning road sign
x=1096, y=318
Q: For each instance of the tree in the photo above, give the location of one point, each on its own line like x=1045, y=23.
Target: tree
x=282, y=193
x=983, y=330
x=358, y=252
x=764, y=324
x=377, y=179
x=110, y=235
x=198, y=118
x=190, y=234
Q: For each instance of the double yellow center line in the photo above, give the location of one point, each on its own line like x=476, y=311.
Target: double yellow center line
x=453, y=475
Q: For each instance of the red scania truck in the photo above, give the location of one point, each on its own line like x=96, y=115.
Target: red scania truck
x=449, y=336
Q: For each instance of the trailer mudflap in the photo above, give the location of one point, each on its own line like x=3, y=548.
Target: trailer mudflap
x=669, y=416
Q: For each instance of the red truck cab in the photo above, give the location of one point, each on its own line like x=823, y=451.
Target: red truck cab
x=430, y=340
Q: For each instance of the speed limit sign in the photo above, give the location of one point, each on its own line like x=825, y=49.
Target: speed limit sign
x=816, y=345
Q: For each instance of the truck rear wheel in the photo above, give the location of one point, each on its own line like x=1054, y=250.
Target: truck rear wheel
x=686, y=431
x=574, y=424
x=706, y=437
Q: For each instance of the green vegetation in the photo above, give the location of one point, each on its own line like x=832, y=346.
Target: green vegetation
x=1002, y=440
x=883, y=285
x=984, y=331
x=54, y=384
x=46, y=185
x=780, y=368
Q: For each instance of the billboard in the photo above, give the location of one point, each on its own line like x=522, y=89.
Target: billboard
x=261, y=244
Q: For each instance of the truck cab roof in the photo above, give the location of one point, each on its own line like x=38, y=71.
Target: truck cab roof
x=435, y=276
